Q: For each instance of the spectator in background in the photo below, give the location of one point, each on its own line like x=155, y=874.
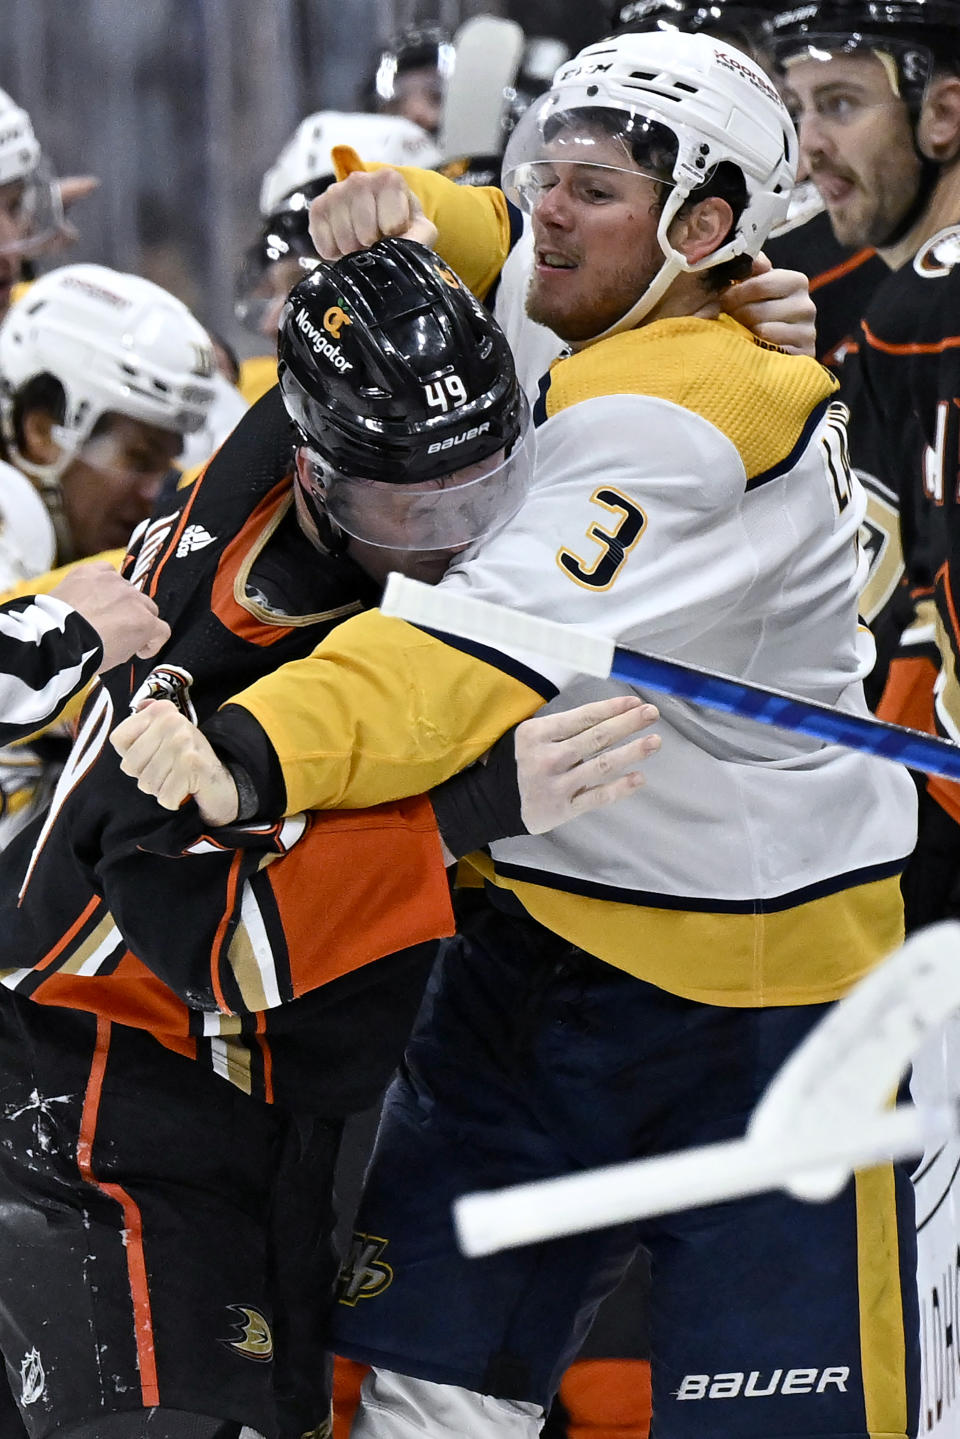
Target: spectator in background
x=31, y=200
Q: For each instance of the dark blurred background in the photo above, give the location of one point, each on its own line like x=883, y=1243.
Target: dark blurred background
x=180, y=105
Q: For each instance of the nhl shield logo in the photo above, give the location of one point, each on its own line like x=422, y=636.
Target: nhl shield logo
x=363, y=1274
x=33, y=1381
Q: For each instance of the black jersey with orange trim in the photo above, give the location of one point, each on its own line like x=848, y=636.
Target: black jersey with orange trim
x=905, y=439
x=231, y=947
x=842, y=282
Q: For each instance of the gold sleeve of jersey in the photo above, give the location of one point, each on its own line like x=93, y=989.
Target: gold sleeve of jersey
x=258, y=374
x=380, y=711
x=473, y=221
x=755, y=394
x=43, y=584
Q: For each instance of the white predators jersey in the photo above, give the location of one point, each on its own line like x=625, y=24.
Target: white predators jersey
x=650, y=523
x=692, y=500
x=534, y=346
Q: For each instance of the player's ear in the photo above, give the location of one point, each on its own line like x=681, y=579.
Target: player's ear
x=702, y=229
x=938, y=133
x=39, y=446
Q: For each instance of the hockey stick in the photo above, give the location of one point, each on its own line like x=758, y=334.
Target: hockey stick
x=821, y=1117
x=488, y=53
x=592, y=654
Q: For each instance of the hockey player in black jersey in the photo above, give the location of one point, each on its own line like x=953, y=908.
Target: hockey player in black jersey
x=877, y=90
x=186, y=1016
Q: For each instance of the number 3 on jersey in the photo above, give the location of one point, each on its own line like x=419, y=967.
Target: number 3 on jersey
x=615, y=542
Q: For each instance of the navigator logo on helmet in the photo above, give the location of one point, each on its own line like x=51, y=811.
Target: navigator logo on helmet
x=422, y=440
x=678, y=107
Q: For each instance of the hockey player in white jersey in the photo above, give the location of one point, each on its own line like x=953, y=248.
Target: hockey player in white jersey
x=283, y=252
x=103, y=376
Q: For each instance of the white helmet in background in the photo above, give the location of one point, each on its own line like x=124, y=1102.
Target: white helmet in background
x=117, y=344
x=389, y=139
x=675, y=106
x=35, y=213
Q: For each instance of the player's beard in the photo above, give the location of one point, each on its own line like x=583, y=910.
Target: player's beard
x=593, y=305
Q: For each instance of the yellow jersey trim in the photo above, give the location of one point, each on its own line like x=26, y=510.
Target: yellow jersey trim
x=737, y=960
x=756, y=395
x=882, y=1344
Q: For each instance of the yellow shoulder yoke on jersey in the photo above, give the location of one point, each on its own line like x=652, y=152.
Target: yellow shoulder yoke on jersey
x=757, y=395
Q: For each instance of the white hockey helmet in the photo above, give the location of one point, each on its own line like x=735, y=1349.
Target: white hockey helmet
x=677, y=105
x=117, y=344
x=390, y=139
x=37, y=211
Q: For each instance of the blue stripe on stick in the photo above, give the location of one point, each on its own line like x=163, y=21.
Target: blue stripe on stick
x=767, y=706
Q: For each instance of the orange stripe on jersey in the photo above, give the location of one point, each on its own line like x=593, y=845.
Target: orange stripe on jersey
x=384, y=889
x=943, y=580
x=844, y=268
x=267, y=1054
x=221, y=932
x=174, y=539
x=607, y=1399
x=234, y=563
x=65, y=939
x=907, y=697
x=935, y=347
x=132, y=1222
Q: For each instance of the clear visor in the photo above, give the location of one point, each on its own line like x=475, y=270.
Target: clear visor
x=447, y=513
x=551, y=137
x=262, y=286
x=31, y=212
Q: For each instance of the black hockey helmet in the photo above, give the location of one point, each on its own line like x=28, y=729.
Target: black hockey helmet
x=414, y=428
x=735, y=20
x=919, y=36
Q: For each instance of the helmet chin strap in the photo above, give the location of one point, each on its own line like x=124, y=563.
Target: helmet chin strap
x=674, y=264
x=639, y=310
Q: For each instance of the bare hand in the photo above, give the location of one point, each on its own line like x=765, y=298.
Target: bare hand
x=776, y=306
x=581, y=759
x=127, y=621
x=356, y=212
x=171, y=760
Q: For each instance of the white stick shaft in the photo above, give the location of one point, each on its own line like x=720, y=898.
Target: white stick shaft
x=531, y=1213
x=489, y=624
